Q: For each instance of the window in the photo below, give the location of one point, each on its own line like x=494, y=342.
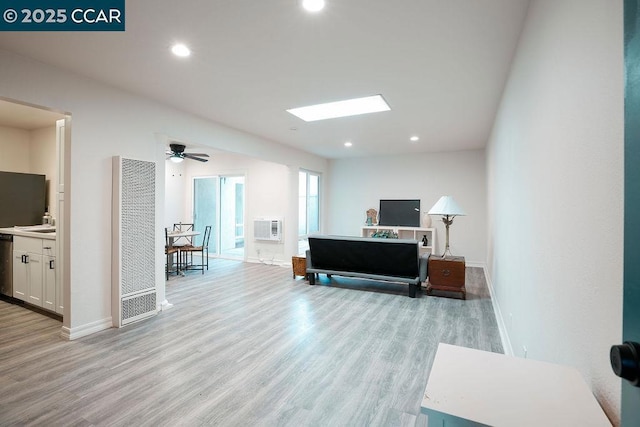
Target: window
x=308, y=203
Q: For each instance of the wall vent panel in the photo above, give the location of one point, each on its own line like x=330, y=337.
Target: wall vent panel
x=134, y=234
x=137, y=307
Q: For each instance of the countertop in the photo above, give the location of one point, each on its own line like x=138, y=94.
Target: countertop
x=38, y=231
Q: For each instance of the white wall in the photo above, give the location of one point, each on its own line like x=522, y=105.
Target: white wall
x=555, y=187
x=31, y=151
x=43, y=161
x=108, y=122
x=358, y=184
x=266, y=195
x=177, y=188
x=15, y=150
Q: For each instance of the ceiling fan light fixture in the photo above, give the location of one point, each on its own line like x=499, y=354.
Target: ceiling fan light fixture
x=177, y=154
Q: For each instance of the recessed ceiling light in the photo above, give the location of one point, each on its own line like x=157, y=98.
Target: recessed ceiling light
x=349, y=107
x=414, y=138
x=313, y=5
x=348, y=144
x=181, y=50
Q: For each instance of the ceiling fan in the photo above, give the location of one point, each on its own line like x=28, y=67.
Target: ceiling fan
x=177, y=154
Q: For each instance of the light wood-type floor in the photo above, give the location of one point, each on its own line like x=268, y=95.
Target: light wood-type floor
x=244, y=345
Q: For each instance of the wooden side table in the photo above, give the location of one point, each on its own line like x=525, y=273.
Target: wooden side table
x=299, y=266
x=447, y=274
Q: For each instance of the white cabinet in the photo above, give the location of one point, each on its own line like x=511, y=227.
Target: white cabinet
x=59, y=294
x=19, y=275
x=415, y=233
x=49, y=274
x=34, y=278
x=49, y=282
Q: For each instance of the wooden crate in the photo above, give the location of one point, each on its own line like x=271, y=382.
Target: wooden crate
x=447, y=274
x=299, y=266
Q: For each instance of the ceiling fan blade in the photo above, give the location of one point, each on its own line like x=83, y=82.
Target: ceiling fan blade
x=168, y=152
x=198, y=154
x=191, y=156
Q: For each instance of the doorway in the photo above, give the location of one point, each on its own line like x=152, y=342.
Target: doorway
x=46, y=134
x=219, y=201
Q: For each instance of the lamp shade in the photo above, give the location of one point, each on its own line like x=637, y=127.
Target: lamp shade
x=446, y=206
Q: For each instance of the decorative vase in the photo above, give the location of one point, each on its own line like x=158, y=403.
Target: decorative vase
x=426, y=220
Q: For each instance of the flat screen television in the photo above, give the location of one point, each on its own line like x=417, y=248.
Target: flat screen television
x=22, y=198
x=400, y=213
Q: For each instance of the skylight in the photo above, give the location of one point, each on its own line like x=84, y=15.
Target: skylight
x=349, y=107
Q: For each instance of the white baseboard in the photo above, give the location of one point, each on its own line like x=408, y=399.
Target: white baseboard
x=475, y=264
x=277, y=262
x=164, y=305
x=504, y=336
x=84, y=330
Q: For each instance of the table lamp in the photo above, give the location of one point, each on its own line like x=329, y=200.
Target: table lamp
x=448, y=209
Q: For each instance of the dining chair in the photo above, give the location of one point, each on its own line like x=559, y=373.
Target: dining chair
x=169, y=251
x=203, y=249
x=183, y=240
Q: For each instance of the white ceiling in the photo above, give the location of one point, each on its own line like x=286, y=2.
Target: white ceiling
x=440, y=64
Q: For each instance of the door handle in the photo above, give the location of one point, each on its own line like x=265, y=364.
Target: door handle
x=51, y=261
x=625, y=361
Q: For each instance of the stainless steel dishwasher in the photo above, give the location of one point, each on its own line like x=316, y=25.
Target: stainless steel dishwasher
x=6, y=264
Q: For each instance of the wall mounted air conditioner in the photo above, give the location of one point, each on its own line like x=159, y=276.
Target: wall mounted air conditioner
x=267, y=229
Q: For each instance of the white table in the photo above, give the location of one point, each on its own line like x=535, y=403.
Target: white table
x=469, y=387
x=175, y=235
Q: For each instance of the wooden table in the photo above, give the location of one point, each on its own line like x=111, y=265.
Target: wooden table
x=299, y=266
x=447, y=274
x=469, y=387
